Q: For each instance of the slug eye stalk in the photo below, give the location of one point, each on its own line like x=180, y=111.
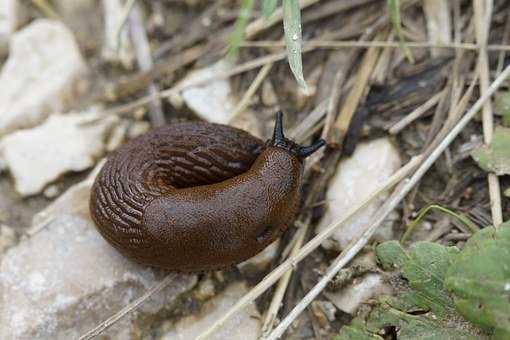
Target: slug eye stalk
x=280, y=141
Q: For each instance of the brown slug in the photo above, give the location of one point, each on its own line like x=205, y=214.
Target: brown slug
x=197, y=196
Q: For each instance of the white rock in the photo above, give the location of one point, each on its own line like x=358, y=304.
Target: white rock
x=8, y=238
x=260, y=261
x=43, y=74
x=212, y=101
x=245, y=325
x=74, y=201
x=356, y=178
x=351, y=297
x=116, y=49
x=38, y=156
x=66, y=279
x=11, y=15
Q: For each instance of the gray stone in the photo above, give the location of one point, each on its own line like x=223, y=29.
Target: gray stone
x=212, y=101
x=261, y=261
x=350, y=298
x=356, y=178
x=8, y=238
x=11, y=15
x=45, y=73
x=38, y=156
x=66, y=279
x=245, y=325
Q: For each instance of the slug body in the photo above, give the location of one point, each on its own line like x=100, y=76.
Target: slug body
x=198, y=196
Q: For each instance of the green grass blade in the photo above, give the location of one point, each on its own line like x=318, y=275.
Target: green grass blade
x=421, y=214
x=237, y=36
x=268, y=7
x=292, y=28
x=394, y=8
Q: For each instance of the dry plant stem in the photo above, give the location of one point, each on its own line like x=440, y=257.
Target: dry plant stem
x=128, y=6
x=357, y=92
x=482, y=12
x=254, y=86
x=502, y=54
x=279, y=293
x=46, y=8
x=145, y=63
x=124, y=109
x=128, y=309
x=345, y=257
x=368, y=44
x=299, y=132
x=176, y=89
x=315, y=242
x=415, y=114
x=397, y=196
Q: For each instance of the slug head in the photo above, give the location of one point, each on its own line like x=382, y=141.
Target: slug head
x=280, y=141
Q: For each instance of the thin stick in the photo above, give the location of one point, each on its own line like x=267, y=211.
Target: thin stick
x=357, y=92
x=279, y=293
x=122, y=22
x=397, y=196
x=368, y=44
x=345, y=257
x=128, y=309
x=482, y=25
x=254, y=86
x=145, y=62
x=315, y=242
x=46, y=8
x=299, y=131
x=502, y=54
x=415, y=114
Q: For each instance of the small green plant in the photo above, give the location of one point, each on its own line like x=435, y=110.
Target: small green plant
x=292, y=32
x=394, y=9
x=421, y=214
x=448, y=294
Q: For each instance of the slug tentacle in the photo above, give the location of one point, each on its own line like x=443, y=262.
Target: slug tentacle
x=280, y=141
x=198, y=196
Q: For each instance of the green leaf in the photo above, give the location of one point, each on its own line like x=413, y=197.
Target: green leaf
x=237, y=36
x=394, y=9
x=414, y=326
x=292, y=28
x=496, y=157
x=424, y=266
x=410, y=327
x=502, y=106
x=479, y=280
x=268, y=7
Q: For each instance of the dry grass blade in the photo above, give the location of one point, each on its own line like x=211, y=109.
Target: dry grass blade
x=128, y=309
x=46, y=8
x=279, y=293
x=368, y=44
x=144, y=59
x=254, y=86
x=315, y=242
x=483, y=12
x=122, y=109
x=358, y=90
x=397, y=196
x=415, y=114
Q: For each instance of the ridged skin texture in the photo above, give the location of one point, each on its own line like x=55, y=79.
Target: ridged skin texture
x=195, y=196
